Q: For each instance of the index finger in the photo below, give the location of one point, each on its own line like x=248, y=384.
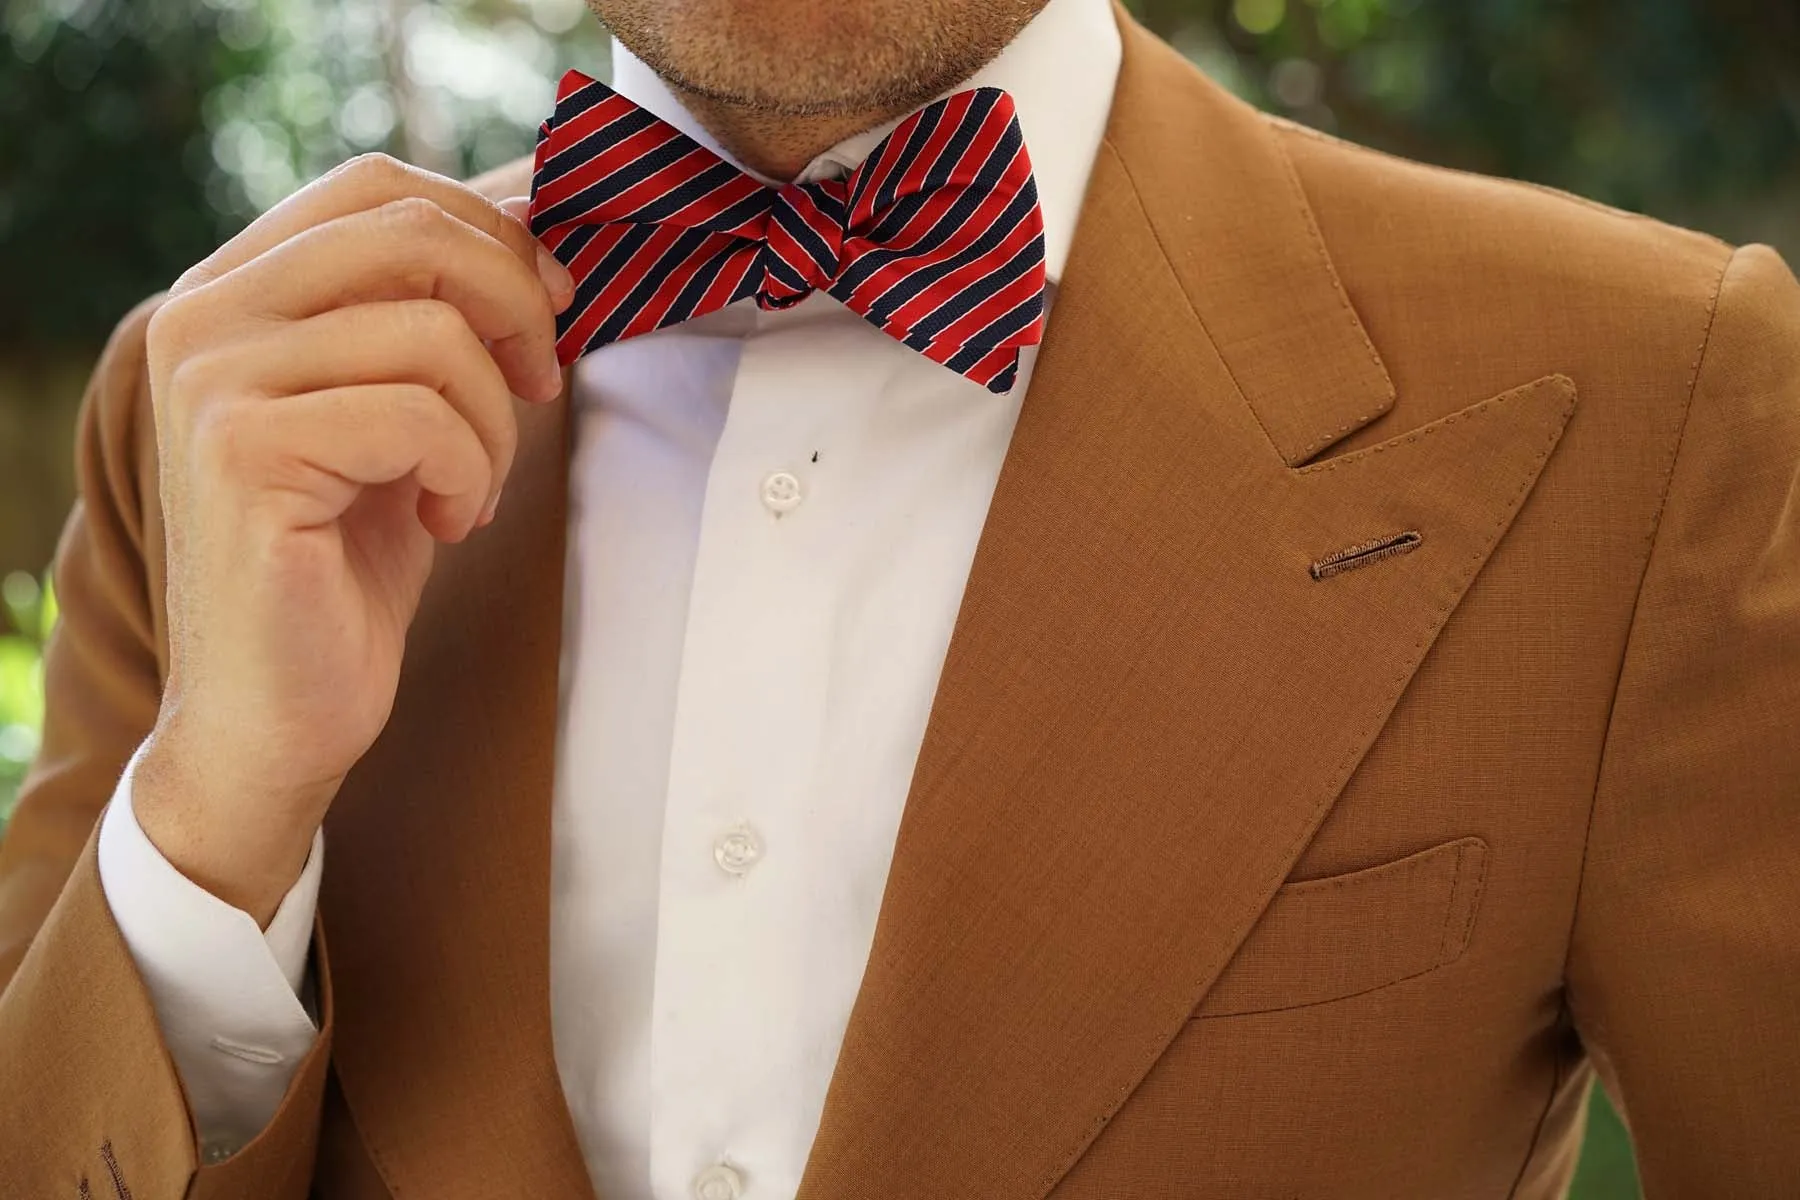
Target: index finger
x=365, y=182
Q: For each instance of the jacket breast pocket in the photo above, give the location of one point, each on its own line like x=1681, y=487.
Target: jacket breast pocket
x=1336, y=937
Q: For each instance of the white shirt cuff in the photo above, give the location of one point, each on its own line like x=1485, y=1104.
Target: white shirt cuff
x=226, y=992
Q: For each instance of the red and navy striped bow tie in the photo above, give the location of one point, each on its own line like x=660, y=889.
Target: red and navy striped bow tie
x=935, y=239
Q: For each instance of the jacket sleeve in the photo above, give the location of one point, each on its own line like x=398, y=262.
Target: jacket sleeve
x=228, y=994
x=1684, y=971
x=90, y=1101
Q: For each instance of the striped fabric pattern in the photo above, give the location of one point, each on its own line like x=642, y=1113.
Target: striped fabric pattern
x=935, y=239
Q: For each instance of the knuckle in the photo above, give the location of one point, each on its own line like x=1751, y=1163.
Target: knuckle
x=374, y=171
x=167, y=328
x=430, y=417
x=431, y=319
x=413, y=215
x=186, y=383
x=418, y=405
x=458, y=434
x=196, y=379
x=194, y=278
x=223, y=439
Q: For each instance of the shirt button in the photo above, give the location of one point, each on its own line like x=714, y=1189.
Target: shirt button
x=718, y=1182
x=215, y=1152
x=736, y=851
x=781, y=492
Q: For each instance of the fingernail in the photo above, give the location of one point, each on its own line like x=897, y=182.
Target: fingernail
x=556, y=277
x=487, y=515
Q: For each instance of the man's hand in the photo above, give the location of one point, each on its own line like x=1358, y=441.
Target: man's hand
x=333, y=392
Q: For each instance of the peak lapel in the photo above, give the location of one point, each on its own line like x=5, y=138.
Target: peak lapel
x=1226, y=208
x=1149, y=702
x=436, y=891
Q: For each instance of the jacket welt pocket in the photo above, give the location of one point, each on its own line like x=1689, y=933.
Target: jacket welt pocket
x=1331, y=938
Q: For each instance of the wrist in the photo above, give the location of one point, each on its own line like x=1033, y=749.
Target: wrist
x=239, y=839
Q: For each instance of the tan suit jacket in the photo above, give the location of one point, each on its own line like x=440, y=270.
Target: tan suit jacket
x=1217, y=878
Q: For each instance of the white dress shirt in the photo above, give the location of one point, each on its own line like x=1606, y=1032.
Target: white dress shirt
x=772, y=517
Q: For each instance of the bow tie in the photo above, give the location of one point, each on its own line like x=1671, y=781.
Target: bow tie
x=935, y=239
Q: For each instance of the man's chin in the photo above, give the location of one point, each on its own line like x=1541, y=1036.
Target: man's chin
x=810, y=57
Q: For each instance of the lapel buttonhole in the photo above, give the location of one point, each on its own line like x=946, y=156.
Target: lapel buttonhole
x=1364, y=553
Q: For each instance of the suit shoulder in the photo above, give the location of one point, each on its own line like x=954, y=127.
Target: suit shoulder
x=1431, y=217
x=1469, y=284
x=116, y=422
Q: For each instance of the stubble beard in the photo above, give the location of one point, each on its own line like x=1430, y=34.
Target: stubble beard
x=852, y=58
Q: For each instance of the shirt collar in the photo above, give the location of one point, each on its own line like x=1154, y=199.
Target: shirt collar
x=1060, y=71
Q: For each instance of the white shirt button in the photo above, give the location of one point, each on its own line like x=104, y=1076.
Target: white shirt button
x=215, y=1152
x=718, y=1182
x=781, y=492
x=737, y=850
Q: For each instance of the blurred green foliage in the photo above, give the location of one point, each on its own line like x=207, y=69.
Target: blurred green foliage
x=104, y=159
x=29, y=610
x=1672, y=107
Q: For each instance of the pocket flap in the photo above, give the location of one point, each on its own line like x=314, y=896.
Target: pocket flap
x=1326, y=939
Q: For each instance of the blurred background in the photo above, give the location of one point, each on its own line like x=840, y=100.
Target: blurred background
x=145, y=132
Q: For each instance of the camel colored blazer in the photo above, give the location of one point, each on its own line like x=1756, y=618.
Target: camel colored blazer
x=1239, y=862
